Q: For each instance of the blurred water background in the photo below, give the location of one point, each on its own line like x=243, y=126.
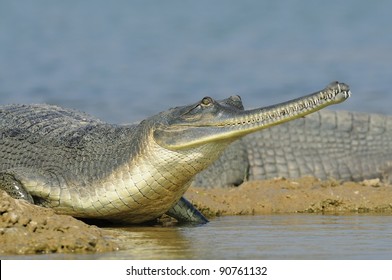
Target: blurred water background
x=123, y=61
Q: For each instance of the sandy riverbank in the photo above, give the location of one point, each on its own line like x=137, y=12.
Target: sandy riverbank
x=29, y=229
x=306, y=194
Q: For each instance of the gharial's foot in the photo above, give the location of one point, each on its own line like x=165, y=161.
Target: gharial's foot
x=14, y=187
x=185, y=212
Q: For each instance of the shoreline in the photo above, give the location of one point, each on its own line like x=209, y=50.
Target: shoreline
x=303, y=195
x=29, y=229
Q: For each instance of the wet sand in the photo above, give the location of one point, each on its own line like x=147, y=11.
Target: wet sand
x=29, y=229
x=304, y=195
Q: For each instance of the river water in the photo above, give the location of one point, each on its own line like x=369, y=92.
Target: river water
x=265, y=237
x=299, y=236
x=126, y=60
x=123, y=61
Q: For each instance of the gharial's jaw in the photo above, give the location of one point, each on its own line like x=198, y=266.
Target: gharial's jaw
x=210, y=121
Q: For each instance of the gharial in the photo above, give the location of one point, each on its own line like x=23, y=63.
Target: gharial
x=84, y=167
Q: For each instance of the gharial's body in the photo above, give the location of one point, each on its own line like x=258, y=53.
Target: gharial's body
x=81, y=166
x=86, y=168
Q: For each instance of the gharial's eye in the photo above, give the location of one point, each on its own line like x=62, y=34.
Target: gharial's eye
x=206, y=101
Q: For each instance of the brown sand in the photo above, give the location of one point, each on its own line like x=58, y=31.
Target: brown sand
x=29, y=229
x=306, y=194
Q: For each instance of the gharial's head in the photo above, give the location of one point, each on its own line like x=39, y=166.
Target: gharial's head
x=226, y=120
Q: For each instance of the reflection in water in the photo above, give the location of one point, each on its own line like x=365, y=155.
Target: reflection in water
x=152, y=243
x=299, y=236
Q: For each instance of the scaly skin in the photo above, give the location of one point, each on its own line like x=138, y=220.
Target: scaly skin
x=338, y=145
x=81, y=166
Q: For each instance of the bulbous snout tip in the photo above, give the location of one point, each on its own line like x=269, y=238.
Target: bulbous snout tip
x=342, y=91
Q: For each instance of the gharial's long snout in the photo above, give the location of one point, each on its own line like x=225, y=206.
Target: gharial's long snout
x=217, y=122
x=256, y=119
